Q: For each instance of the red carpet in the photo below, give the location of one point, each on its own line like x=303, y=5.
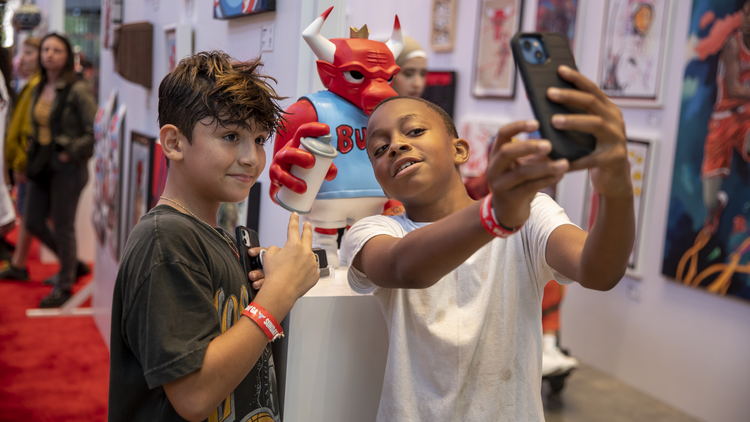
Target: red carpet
x=51, y=369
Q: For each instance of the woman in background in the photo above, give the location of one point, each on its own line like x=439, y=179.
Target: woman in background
x=16, y=141
x=63, y=112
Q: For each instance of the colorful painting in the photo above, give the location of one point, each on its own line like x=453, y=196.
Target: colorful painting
x=158, y=174
x=641, y=154
x=708, y=243
x=103, y=155
x=558, y=16
x=494, y=69
x=171, y=36
x=480, y=135
x=141, y=149
x=227, y=9
x=634, y=50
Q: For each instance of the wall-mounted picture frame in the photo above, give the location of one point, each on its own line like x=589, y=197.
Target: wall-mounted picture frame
x=103, y=153
x=635, y=46
x=158, y=174
x=440, y=89
x=480, y=134
x=443, y=27
x=642, y=154
x=707, y=240
x=139, y=180
x=494, y=71
x=563, y=17
x=228, y=9
x=113, y=183
x=179, y=43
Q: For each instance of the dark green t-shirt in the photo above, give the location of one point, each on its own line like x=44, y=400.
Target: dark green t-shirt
x=179, y=285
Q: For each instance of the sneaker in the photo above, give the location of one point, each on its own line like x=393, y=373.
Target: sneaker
x=81, y=271
x=55, y=299
x=554, y=361
x=711, y=223
x=9, y=272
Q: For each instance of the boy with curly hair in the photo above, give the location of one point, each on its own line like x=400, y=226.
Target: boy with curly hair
x=181, y=346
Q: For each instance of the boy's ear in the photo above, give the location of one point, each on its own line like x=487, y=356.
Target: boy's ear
x=461, y=151
x=172, y=142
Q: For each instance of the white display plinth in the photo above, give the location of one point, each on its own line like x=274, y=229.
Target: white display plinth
x=330, y=366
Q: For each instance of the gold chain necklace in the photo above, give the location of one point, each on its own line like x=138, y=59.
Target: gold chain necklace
x=223, y=235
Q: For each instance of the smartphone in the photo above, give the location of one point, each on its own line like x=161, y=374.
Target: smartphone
x=247, y=239
x=538, y=56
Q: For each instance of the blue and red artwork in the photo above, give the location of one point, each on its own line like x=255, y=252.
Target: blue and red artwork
x=227, y=9
x=708, y=243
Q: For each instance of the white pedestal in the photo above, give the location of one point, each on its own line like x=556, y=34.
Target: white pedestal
x=331, y=367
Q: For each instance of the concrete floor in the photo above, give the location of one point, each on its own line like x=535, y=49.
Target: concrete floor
x=589, y=395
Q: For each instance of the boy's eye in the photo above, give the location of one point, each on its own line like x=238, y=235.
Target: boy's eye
x=379, y=150
x=354, y=76
x=260, y=140
x=416, y=132
x=231, y=137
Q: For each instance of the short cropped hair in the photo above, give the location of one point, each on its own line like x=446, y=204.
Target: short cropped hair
x=450, y=127
x=213, y=84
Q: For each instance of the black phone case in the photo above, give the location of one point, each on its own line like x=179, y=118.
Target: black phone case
x=246, y=239
x=537, y=79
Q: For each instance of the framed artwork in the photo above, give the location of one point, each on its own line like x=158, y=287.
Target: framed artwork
x=642, y=157
x=158, y=174
x=634, y=51
x=494, y=71
x=707, y=243
x=232, y=215
x=561, y=16
x=102, y=164
x=228, y=9
x=141, y=160
x=112, y=187
x=179, y=43
x=480, y=135
x=443, y=25
x=440, y=89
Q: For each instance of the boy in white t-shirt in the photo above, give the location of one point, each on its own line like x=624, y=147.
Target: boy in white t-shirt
x=463, y=307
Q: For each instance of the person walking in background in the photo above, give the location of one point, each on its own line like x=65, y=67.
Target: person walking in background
x=16, y=141
x=63, y=112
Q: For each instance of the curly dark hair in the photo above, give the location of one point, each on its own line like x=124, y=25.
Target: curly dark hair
x=213, y=84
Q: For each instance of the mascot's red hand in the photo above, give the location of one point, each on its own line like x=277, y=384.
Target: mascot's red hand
x=290, y=155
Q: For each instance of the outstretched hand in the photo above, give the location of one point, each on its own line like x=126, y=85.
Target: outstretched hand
x=517, y=170
x=608, y=164
x=291, y=154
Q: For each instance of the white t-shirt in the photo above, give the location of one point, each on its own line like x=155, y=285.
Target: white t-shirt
x=468, y=348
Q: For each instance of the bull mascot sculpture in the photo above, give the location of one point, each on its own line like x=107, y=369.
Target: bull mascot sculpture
x=357, y=73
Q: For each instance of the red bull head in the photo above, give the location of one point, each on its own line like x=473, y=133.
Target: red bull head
x=356, y=68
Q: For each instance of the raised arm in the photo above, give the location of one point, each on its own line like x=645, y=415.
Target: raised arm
x=598, y=259
x=420, y=259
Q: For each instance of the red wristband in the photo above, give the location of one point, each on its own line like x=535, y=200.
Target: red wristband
x=487, y=215
x=265, y=321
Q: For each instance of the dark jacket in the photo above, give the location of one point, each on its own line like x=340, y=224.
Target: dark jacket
x=75, y=134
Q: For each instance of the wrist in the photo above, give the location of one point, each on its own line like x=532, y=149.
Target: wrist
x=265, y=320
x=278, y=304
x=490, y=221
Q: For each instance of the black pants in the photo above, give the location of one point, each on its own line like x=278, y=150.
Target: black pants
x=58, y=199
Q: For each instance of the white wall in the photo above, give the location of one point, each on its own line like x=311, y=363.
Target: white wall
x=683, y=346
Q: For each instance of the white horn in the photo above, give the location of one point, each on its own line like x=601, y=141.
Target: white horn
x=322, y=47
x=396, y=43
